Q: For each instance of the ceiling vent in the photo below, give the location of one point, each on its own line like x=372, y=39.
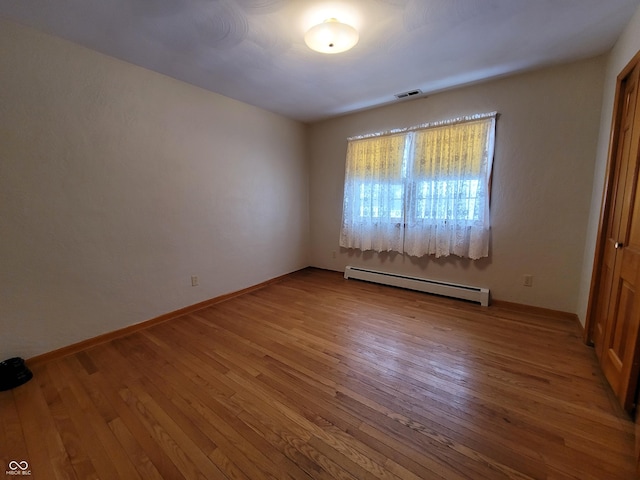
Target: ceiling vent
x=410, y=93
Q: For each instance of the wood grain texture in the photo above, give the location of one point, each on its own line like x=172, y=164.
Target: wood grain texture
x=106, y=337
x=317, y=377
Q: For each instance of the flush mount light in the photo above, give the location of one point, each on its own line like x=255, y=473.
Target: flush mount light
x=331, y=36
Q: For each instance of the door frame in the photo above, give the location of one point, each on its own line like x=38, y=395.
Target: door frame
x=605, y=206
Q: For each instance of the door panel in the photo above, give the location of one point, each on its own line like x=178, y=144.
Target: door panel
x=616, y=329
x=604, y=297
x=624, y=140
x=613, y=362
x=620, y=362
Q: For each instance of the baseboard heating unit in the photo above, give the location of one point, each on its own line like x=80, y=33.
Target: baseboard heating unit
x=465, y=292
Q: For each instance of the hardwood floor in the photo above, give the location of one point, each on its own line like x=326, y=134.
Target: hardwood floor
x=320, y=377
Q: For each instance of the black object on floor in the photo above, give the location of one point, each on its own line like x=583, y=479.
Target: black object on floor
x=13, y=373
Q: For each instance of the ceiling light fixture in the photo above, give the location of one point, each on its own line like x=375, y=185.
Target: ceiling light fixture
x=331, y=36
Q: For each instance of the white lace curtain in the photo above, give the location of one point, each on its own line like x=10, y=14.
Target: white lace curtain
x=421, y=191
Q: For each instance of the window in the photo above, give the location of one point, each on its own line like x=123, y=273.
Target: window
x=423, y=190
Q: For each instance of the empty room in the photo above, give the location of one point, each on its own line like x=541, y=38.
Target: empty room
x=286, y=239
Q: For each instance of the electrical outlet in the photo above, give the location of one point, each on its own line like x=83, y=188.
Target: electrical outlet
x=527, y=280
x=333, y=254
x=194, y=281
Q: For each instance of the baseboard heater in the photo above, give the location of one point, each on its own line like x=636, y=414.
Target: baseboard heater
x=465, y=292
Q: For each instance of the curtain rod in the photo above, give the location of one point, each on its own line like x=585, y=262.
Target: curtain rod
x=452, y=121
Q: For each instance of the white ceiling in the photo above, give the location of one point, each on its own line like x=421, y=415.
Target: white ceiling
x=254, y=51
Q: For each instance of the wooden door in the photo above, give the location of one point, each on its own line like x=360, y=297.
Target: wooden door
x=616, y=324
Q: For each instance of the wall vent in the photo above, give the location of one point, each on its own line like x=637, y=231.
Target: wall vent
x=410, y=93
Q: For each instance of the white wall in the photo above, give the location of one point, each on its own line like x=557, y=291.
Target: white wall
x=543, y=174
x=117, y=184
x=625, y=48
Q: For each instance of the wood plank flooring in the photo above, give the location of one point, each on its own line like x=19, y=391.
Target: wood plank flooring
x=317, y=377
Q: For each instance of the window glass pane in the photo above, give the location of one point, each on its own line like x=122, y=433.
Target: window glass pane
x=378, y=200
x=448, y=199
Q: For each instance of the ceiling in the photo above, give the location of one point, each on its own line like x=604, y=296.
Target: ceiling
x=254, y=51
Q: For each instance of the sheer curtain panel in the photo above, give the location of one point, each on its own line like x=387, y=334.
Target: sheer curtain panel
x=422, y=190
x=373, y=209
